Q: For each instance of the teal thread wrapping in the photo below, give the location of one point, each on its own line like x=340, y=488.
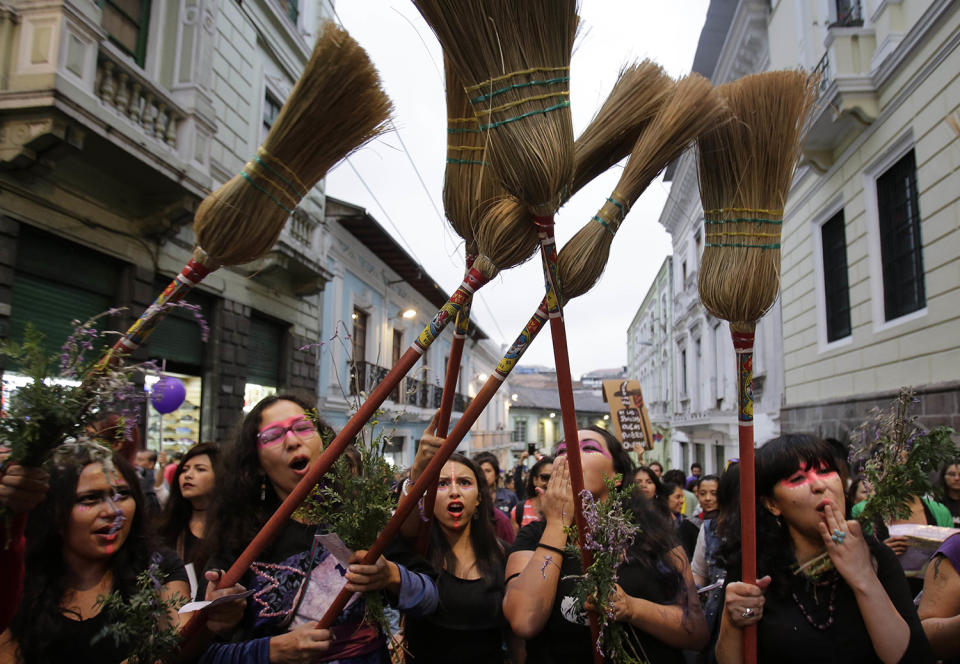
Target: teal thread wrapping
x=500, y=123
x=467, y=161
x=623, y=208
x=294, y=188
x=742, y=220
x=743, y=245
x=266, y=193
x=495, y=93
x=604, y=223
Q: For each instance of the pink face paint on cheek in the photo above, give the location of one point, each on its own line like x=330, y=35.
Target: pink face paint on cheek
x=809, y=476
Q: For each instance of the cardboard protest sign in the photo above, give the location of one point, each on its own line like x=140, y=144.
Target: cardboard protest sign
x=631, y=424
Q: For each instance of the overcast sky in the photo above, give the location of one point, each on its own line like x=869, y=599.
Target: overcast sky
x=613, y=32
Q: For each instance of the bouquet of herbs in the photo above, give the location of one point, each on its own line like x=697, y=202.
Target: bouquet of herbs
x=610, y=532
x=141, y=624
x=355, y=502
x=897, y=456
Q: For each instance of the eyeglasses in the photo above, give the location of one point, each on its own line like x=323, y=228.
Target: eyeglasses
x=274, y=433
x=544, y=477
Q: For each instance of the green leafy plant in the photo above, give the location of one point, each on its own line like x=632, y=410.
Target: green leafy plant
x=897, y=456
x=141, y=624
x=610, y=531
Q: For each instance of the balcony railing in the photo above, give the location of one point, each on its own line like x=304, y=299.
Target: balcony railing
x=124, y=88
x=822, y=70
x=849, y=14
x=364, y=376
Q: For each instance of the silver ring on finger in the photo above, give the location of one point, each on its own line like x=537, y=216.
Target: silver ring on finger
x=748, y=613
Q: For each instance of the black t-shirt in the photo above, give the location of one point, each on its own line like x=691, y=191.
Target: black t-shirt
x=566, y=636
x=954, y=507
x=71, y=641
x=786, y=636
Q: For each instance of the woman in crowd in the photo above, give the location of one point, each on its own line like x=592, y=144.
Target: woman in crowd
x=950, y=484
x=295, y=577
x=87, y=539
x=655, y=596
x=469, y=559
x=707, y=487
x=503, y=499
x=184, y=518
x=648, y=483
x=674, y=494
x=859, y=611
x=940, y=604
x=530, y=510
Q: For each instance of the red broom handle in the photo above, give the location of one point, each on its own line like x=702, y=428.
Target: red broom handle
x=443, y=424
x=568, y=413
x=271, y=528
x=432, y=471
x=446, y=407
x=743, y=345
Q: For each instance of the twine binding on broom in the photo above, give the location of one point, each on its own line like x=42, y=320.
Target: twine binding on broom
x=724, y=228
x=612, y=214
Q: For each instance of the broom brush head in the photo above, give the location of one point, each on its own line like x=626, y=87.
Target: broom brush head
x=468, y=183
x=505, y=236
x=691, y=107
x=336, y=106
x=635, y=98
x=514, y=58
x=746, y=165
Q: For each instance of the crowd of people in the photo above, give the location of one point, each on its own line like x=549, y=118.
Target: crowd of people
x=495, y=580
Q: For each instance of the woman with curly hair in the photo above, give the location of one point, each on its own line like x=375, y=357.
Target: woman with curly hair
x=857, y=610
x=295, y=577
x=87, y=539
x=655, y=595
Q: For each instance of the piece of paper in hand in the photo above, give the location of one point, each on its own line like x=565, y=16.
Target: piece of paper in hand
x=196, y=606
x=332, y=543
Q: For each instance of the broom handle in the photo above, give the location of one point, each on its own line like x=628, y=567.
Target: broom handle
x=568, y=414
x=443, y=421
x=192, y=274
x=271, y=528
x=743, y=345
x=432, y=472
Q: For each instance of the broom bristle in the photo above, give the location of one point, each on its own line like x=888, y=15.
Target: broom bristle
x=336, y=106
x=514, y=58
x=691, y=108
x=635, y=98
x=468, y=182
x=746, y=166
x=505, y=237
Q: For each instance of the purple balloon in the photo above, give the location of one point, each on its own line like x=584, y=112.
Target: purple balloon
x=167, y=394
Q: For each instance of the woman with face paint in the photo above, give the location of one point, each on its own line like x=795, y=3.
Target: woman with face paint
x=468, y=559
x=86, y=540
x=184, y=518
x=859, y=611
x=295, y=578
x=655, y=597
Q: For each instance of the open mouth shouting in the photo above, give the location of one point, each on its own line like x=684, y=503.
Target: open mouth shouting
x=455, y=509
x=299, y=464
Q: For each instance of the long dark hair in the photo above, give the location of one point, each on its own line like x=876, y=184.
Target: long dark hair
x=775, y=461
x=487, y=549
x=237, y=513
x=175, y=519
x=45, y=580
x=534, y=471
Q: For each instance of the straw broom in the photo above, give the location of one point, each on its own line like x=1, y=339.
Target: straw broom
x=336, y=106
x=468, y=184
x=745, y=168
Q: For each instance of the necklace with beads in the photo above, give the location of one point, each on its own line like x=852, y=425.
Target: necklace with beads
x=832, y=582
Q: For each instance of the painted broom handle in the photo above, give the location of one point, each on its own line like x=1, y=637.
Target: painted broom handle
x=271, y=528
x=446, y=407
x=432, y=472
x=743, y=346
x=568, y=414
x=192, y=274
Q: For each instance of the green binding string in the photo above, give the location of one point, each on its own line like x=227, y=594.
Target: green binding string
x=299, y=192
x=603, y=222
x=500, y=91
x=500, y=123
x=742, y=245
x=265, y=193
x=623, y=209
